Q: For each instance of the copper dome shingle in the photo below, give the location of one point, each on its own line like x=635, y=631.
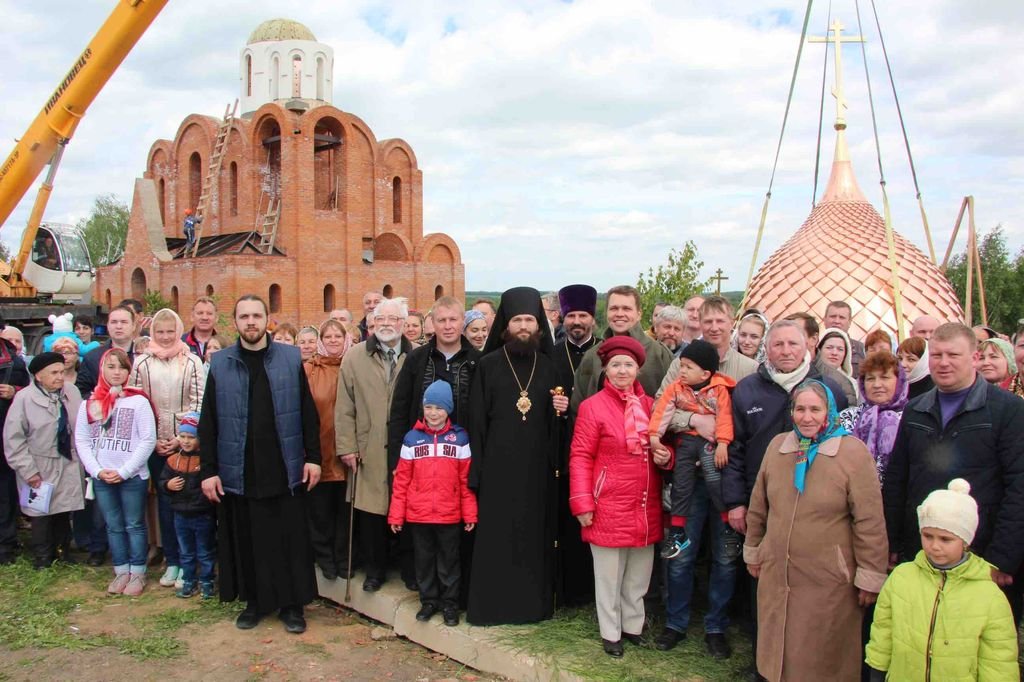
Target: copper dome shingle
x=840, y=253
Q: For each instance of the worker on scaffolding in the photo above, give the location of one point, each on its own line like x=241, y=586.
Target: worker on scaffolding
x=190, y=230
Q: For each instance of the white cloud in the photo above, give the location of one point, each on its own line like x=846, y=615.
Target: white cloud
x=565, y=142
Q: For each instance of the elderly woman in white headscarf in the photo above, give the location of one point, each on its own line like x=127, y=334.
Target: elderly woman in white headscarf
x=173, y=378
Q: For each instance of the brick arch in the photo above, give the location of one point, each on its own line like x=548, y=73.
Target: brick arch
x=438, y=248
x=195, y=125
x=391, y=246
x=159, y=162
x=396, y=154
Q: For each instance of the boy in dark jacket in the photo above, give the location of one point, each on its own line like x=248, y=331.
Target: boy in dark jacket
x=194, y=519
x=432, y=494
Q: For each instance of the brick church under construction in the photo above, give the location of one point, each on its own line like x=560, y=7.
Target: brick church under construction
x=300, y=203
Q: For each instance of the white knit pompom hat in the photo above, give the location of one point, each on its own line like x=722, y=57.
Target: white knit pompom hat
x=953, y=510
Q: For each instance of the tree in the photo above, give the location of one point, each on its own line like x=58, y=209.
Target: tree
x=672, y=283
x=1004, y=282
x=106, y=229
x=5, y=253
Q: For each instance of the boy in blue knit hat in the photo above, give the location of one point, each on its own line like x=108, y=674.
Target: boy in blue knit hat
x=431, y=494
x=194, y=520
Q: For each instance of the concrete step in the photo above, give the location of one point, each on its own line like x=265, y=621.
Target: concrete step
x=478, y=647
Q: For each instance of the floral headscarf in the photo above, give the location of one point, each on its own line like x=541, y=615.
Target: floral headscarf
x=877, y=424
x=762, y=349
x=808, y=451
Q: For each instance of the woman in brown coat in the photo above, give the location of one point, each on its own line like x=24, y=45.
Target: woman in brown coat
x=328, y=510
x=816, y=540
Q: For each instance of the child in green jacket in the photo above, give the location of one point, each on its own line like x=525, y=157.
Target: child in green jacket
x=941, y=616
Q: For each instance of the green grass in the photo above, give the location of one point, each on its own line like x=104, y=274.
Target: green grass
x=571, y=642
x=34, y=614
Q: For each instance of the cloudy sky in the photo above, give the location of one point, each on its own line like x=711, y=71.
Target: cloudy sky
x=575, y=141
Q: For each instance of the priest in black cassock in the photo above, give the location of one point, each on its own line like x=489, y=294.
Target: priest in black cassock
x=259, y=453
x=513, y=433
x=574, y=584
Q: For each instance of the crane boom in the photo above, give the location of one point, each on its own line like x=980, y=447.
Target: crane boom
x=56, y=122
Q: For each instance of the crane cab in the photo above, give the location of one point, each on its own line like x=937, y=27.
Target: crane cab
x=60, y=264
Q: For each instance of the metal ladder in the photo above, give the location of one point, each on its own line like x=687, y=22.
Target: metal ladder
x=213, y=171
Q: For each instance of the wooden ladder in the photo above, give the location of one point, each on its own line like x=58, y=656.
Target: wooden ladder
x=213, y=171
x=268, y=230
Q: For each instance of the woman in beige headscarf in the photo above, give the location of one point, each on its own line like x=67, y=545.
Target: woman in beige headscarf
x=173, y=378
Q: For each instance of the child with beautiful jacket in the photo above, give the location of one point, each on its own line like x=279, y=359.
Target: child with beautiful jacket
x=941, y=616
x=431, y=494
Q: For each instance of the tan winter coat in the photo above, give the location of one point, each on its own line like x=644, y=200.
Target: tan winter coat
x=815, y=551
x=174, y=386
x=30, y=443
x=361, y=419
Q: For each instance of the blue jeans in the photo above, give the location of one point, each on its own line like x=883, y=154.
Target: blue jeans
x=124, y=510
x=680, y=570
x=165, y=515
x=197, y=540
x=88, y=527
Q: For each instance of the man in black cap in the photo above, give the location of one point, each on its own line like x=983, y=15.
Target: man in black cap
x=514, y=437
x=575, y=586
x=13, y=377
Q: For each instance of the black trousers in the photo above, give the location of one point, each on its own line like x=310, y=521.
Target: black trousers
x=328, y=525
x=436, y=551
x=690, y=450
x=9, y=511
x=50, y=533
x=373, y=543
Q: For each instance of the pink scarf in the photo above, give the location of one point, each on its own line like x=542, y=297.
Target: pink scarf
x=176, y=349
x=636, y=420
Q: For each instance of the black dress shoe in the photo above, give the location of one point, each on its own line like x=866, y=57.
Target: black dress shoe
x=372, y=584
x=718, y=645
x=328, y=572
x=638, y=640
x=426, y=612
x=613, y=649
x=668, y=639
x=293, y=620
x=96, y=558
x=341, y=570
x=249, y=618
x=412, y=586
x=451, y=616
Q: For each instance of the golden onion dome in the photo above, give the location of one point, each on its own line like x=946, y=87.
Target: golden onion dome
x=840, y=254
x=280, y=29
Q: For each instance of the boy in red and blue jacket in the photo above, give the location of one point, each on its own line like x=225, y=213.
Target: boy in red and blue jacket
x=431, y=493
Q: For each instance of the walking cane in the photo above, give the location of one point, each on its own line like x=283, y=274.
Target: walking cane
x=351, y=523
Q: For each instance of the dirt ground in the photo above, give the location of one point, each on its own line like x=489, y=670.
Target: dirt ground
x=159, y=636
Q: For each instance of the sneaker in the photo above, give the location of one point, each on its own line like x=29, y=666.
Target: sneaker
x=675, y=543
x=732, y=543
x=188, y=589
x=180, y=582
x=118, y=584
x=136, y=584
x=170, y=576
x=207, y=590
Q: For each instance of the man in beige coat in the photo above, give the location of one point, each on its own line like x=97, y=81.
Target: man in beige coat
x=38, y=443
x=368, y=376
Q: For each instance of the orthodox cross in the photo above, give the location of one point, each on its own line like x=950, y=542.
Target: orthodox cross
x=836, y=36
x=718, y=279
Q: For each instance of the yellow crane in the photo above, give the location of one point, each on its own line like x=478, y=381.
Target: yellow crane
x=54, y=259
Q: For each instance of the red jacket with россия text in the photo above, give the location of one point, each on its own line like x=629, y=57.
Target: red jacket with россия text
x=430, y=482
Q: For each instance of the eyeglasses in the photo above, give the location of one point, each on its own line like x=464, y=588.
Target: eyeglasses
x=389, y=319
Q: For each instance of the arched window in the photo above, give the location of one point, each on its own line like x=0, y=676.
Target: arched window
x=174, y=299
x=438, y=292
x=161, y=197
x=209, y=290
x=195, y=180
x=138, y=284
x=387, y=291
x=248, y=75
x=328, y=298
x=297, y=76
x=275, y=298
x=396, y=200
x=275, y=77
x=233, y=188
x=107, y=299
x=320, y=78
